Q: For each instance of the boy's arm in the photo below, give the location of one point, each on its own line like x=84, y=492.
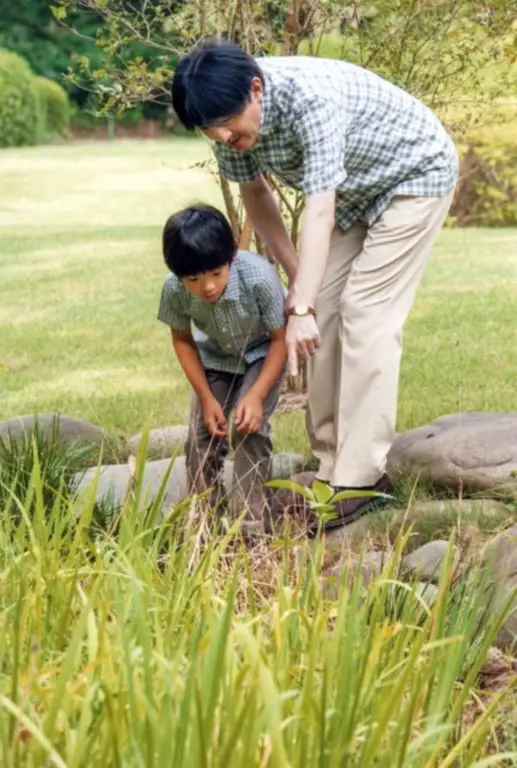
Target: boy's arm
x=173, y=313
x=274, y=364
x=248, y=414
x=188, y=357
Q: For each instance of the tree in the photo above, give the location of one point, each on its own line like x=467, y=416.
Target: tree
x=439, y=50
x=30, y=29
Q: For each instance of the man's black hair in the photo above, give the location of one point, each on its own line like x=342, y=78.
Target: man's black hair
x=212, y=82
x=197, y=239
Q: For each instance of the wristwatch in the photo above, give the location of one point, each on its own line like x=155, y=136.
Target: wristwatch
x=301, y=310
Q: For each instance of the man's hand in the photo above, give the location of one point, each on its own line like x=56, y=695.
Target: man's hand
x=214, y=418
x=302, y=339
x=248, y=414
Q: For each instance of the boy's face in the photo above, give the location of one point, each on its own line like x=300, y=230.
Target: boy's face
x=208, y=286
x=240, y=132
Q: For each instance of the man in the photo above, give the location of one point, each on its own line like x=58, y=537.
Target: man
x=378, y=171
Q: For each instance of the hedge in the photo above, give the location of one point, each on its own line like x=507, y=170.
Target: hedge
x=21, y=117
x=55, y=107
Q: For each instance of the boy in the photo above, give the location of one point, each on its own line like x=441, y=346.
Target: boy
x=226, y=312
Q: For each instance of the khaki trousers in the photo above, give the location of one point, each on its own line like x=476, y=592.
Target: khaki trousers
x=368, y=289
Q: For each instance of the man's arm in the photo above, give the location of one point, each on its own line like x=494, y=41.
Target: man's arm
x=302, y=332
x=265, y=214
x=315, y=234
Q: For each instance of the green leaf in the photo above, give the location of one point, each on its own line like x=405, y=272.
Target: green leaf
x=288, y=485
x=58, y=11
x=320, y=509
x=322, y=491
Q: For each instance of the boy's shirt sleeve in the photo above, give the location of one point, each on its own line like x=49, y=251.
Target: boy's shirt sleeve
x=172, y=311
x=271, y=297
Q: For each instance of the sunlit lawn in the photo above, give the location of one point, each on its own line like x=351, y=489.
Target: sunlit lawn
x=80, y=279
x=147, y=645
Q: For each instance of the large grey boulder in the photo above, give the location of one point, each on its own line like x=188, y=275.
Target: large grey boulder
x=367, y=569
x=71, y=431
x=470, y=451
x=115, y=481
x=427, y=560
x=427, y=519
x=163, y=442
x=499, y=557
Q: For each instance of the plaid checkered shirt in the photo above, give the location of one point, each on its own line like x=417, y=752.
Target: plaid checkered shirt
x=234, y=331
x=332, y=125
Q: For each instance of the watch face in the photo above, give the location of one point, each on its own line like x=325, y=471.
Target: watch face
x=302, y=310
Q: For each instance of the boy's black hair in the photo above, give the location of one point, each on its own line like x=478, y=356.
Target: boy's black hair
x=197, y=239
x=211, y=82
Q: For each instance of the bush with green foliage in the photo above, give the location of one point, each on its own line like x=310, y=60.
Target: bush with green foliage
x=20, y=108
x=487, y=190
x=55, y=107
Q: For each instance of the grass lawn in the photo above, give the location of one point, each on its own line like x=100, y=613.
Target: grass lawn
x=80, y=279
x=147, y=645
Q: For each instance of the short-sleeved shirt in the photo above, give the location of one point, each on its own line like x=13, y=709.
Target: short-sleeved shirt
x=332, y=125
x=233, y=332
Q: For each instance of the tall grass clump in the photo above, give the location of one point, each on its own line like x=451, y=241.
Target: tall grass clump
x=157, y=647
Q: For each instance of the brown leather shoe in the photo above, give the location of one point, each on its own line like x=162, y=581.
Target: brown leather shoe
x=350, y=509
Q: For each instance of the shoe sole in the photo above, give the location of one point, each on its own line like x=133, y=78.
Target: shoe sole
x=340, y=522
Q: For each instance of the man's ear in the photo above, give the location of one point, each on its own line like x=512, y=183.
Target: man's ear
x=256, y=88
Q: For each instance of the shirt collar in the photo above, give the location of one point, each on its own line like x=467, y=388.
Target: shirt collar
x=232, y=292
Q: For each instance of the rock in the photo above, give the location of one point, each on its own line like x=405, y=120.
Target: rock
x=115, y=482
x=497, y=671
x=473, y=451
x=286, y=465
x=500, y=554
x=499, y=557
x=506, y=638
x=71, y=431
x=427, y=591
x=163, y=443
x=367, y=570
x=429, y=520
x=427, y=560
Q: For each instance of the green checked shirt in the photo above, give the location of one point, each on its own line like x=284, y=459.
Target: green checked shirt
x=333, y=125
x=234, y=331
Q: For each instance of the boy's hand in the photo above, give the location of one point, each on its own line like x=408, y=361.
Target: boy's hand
x=248, y=414
x=214, y=418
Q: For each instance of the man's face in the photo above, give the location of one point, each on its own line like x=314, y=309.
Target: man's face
x=208, y=286
x=241, y=131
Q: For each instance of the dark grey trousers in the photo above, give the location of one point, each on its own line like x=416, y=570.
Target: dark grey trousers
x=252, y=460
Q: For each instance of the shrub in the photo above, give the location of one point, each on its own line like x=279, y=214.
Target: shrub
x=55, y=107
x=20, y=109
x=486, y=195
x=57, y=465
